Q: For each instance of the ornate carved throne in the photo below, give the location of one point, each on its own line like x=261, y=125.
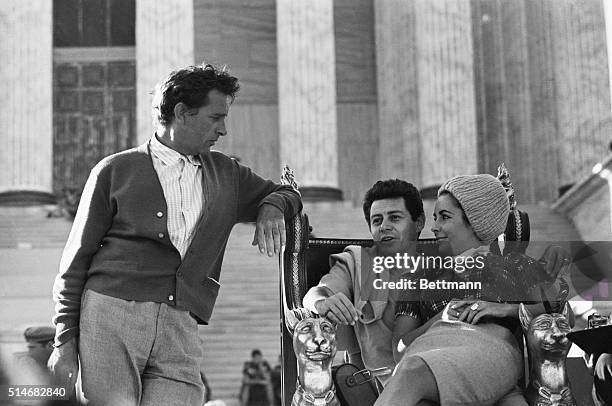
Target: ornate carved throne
x=306, y=259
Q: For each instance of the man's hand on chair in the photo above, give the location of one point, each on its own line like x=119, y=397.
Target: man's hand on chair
x=338, y=308
x=270, y=230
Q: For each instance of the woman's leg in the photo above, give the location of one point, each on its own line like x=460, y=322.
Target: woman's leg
x=412, y=384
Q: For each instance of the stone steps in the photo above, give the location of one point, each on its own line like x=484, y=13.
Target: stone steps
x=247, y=313
x=29, y=227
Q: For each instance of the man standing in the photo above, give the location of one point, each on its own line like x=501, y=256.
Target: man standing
x=141, y=266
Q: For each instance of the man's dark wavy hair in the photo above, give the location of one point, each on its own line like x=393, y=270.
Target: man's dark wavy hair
x=392, y=188
x=190, y=86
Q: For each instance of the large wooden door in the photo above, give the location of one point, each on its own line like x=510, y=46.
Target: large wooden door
x=94, y=116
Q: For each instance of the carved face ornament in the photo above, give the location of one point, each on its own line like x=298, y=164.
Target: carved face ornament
x=315, y=339
x=550, y=331
x=546, y=333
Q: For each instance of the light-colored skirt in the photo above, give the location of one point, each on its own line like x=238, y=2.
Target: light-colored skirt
x=472, y=364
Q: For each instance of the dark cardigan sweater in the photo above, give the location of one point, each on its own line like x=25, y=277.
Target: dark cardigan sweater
x=119, y=244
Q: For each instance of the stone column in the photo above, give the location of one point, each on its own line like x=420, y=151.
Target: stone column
x=503, y=92
x=398, y=92
x=582, y=87
x=426, y=97
x=447, y=107
x=307, y=94
x=26, y=133
x=164, y=41
x=544, y=98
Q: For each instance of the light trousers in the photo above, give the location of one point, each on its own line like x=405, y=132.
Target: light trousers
x=138, y=353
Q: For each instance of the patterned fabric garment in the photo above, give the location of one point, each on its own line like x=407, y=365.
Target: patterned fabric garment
x=504, y=279
x=181, y=180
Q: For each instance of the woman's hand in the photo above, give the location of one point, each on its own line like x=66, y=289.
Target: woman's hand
x=475, y=310
x=454, y=308
x=472, y=311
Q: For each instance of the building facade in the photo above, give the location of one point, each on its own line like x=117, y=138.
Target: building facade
x=343, y=91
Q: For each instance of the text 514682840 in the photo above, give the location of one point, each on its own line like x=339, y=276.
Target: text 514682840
x=32, y=392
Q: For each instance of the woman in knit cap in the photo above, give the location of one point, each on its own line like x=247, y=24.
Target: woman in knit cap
x=465, y=353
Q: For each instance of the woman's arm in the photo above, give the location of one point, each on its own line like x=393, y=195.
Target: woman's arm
x=473, y=314
x=475, y=310
x=546, y=272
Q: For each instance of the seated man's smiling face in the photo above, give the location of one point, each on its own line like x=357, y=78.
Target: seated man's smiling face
x=392, y=226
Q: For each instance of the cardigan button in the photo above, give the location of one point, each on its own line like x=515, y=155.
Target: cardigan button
x=170, y=297
x=160, y=214
x=160, y=235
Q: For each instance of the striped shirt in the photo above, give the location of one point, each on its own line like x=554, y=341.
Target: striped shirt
x=181, y=180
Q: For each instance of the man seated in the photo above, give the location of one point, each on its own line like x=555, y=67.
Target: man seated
x=369, y=328
x=393, y=210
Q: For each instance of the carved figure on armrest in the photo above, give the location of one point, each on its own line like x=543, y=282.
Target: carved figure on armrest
x=314, y=344
x=548, y=347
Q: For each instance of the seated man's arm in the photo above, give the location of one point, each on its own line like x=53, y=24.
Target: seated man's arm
x=451, y=312
x=407, y=338
x=407, y=319
x=403, y=325
x=332, y=297
x=335, y=306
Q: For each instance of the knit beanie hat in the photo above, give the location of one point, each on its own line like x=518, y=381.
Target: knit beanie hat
x=484, y=202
